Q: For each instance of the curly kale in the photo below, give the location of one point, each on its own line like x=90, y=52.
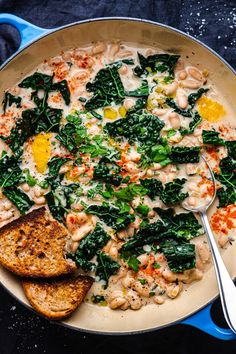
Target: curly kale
x=111, y=215
x=227, y=176
x=88, y=248
x=212, y=137
x=9, y=99
x=172, y=194
x=183, y=154
x=139, y=126
x=156, y=63
x=107, y=171
x=106, y=267
x=192, y=125
x=153, y=186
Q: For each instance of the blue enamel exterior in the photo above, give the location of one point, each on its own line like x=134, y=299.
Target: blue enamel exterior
x=201, y=319
x=28, y=32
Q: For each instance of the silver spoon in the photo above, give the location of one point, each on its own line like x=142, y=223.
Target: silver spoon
x=226, y=286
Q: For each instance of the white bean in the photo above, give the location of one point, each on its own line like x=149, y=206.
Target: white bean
x=7, y=205
x=124, y=53
x=223, y=240
x=191, y=84
x=168, y=275
x=159, y=299
x=130, y=231
x=142, y=290
x=98, y=48
x=203, y=252
x=5, y=215
x=77, y=206
x=170, y=89
x=195, y=73
x=128, y=103
x=73, y=247
x=122, y=234
x=123, y=70
x=159, y=111
x=173, y=290
x=191, y=168
x=181, y=98
x=38, y=191
x=25, y=187
x=182, y=75
x=40, y=200
x=128, y=281
x=131, y=167
x=174, y=120
x=113, y=252
x=118, y=302
x=81, y=232
x=115, y=47
x=134, y=300
x=143, y=259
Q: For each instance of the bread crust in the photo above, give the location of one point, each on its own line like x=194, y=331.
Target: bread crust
x=57, y=299
x=34, y=246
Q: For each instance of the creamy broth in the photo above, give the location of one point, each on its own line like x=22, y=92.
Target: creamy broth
x=88, y=163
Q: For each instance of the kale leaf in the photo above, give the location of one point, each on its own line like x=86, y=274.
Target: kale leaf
x=141, y=126
x=18, y=198
x=39, y=81
x=132, y=190
x=184, y=154
x=172, y=194
x=9, y=99
x=147, y=235
x=73, y=134
x=180, y=257
x=227, y=176
x=88, y=248
x=184, y=225
x=142, y=91
x=107, y=171
x=193, y=97
x=192, y=125
x=111, y=215
x=155, y=63
x=153, y=186
x=212, y=137
x=10, y=172
x=55, y=164
x=106, y=267
x=63, y=88
x=107, y=87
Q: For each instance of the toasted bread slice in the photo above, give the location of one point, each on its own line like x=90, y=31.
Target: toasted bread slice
x=34, y=246
x=57, y=298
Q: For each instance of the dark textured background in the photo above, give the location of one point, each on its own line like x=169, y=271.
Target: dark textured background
x=214, y=23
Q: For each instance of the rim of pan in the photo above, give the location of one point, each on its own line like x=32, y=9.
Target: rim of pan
x=113, y=18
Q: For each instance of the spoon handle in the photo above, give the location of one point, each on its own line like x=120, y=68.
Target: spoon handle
x=226, y=286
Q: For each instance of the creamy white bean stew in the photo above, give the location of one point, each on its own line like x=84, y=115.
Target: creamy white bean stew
x=109, y=139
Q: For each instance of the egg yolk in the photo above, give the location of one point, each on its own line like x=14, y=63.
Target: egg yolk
x=210, y=110
x=41, y=151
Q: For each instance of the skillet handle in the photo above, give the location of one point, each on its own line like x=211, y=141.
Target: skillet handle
x=203, y=321
x=28, y=32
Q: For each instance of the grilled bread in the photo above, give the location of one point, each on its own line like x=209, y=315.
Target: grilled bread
x=34, y=246
x=57, y=298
